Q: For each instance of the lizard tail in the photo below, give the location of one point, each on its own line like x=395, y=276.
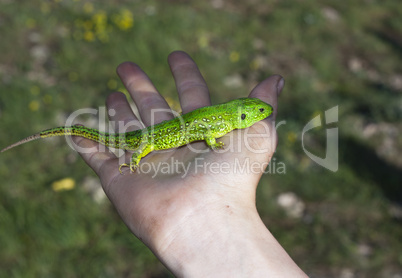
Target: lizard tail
x=86, y=132
x=30, y=138
x=77, y=130
x=118, y=141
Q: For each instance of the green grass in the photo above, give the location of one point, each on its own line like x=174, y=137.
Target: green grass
x=60, y=56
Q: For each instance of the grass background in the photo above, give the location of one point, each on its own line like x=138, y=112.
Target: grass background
x=59, y=56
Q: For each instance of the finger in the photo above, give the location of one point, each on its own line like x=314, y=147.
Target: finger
x=121, y=114
x=191, y=86
x=104, y=163
x=151, y=105
x=268, y=91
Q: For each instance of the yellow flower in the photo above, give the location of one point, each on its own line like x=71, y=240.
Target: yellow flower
x=63, y=184
x=100, y=21
x=33, y=105
x=124, y=20
x=89, y=36
x=234, y=56
x=99, y=18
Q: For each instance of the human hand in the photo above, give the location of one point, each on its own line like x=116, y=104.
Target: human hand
x=190, y=220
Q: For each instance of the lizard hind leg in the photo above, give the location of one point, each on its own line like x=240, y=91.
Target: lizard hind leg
x=139, y=153
x=211, y=142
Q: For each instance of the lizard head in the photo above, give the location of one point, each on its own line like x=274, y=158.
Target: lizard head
x=249, y=111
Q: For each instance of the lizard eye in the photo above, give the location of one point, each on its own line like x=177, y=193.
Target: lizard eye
x=243, y=116
x=261, y=109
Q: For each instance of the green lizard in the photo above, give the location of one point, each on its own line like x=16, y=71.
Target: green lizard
x=206, y=123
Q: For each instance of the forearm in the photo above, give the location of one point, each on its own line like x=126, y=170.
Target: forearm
x=241, y=247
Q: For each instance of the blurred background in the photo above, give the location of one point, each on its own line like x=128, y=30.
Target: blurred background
x=59, y=56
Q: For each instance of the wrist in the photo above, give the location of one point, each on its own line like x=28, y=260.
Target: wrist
x=226, y=241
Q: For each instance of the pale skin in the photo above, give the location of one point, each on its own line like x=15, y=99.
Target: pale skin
x=203, y=224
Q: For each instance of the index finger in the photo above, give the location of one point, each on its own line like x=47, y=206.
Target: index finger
x=268, y=91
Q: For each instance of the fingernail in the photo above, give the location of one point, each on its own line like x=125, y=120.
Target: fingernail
x=280, y=85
